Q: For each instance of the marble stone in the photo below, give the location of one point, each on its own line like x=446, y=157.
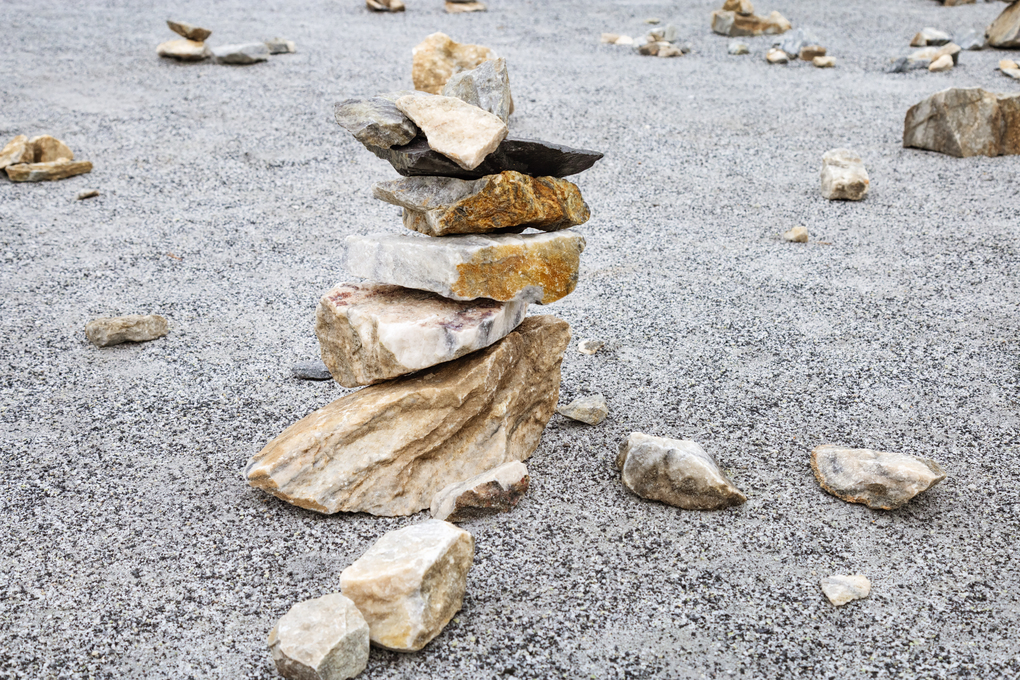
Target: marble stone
x=326, y=638
x=46, y=172
x=930, y=36
x=47, y=149
x=280, y=46
x=509, y=201
x=737, y=25
x=590, y=346
x=16, y=152
x=183, y=50
x=529, y=267
x=1004, y=32
x=493, y=491
x=370, y=332
x=676, y=472
x=943, y=63
x=777, y=56
x=487, y=87
x=241, y=54
x=387, y=449
x=796, y=235
x=188, y=31
x=965, y=122
x=410, y=583
x=879, y=479
x=375, y=121
x=463, y=133
x=841, y=589
x=844, y=177
x=131, y=328
x=824, y=62
x=592, y=409
x=459, y=7
x=438, y=57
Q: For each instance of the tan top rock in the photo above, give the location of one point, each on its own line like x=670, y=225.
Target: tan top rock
x=188, y=31
x=387, y=449
x=878, y=479
x=46, y=172
x=438, y=57
x=184, y=50
x=739, y=6
x=17, y=151
x=463, y=133
x=48, y=149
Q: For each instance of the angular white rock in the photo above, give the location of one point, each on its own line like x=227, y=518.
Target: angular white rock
x=844, y=176
x=410, y=583
x=321, y=639
x=495, y=490
x=796, y=235
x=463, y=133
x=592, y=409
x=590, y=345
x=841, y=589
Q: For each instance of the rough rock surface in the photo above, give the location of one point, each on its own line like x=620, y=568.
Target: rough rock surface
x=487, y=87
x=387, y=449
x=325, y=638
x=811, y=52
x=949, y=49
x=310, y=370
x=410, y=583
x=280, y=46
x=131, y=328
x=590, y=346
x=241, y=54
x=972, y=40
x=930, y=36
x=844, y=176
x=878, y=479
x=188, y=31
x=1004, y=32
x=824, y=62
x=385, y=5
x=47, y=149
x=592, y=409
x=45, y=172
x=439, y=206
x=735, y=25
x=529, y=267
x=184, y=50
x=842, y=589
x=458, y=7
x=375, y=121
x=438, y=57
x=739, y=6
x=943, y=63
x=493, y=491
x=777, y=56
x=965, y=122
x=676, y=472
x=17, y=151
x=796, y=235
x=463, y=133
x=371, y=332
x=736, y=48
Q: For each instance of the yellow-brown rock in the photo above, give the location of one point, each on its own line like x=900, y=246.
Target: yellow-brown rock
x=42, y=172
x=385, y=5
x=734, y=24
x=438, y=57
x=439, y=206
x=46, y=149
x=196, y=33
x=387, y=449
x=739, y=6
x=184, y=50
x=462, y=7
x=16, y=151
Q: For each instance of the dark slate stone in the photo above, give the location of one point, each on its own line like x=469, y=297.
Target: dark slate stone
x=310, y=370
x=526, y=156
x=375, y=121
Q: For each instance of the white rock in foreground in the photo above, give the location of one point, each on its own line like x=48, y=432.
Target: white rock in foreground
x=879, y=479
x=842, y=589
x=410, y=583
x=463, y=133
x=370, y=332
x=844, y=176
x=530, y=267
x=674, y=471
x=321, y=639
x=497, y=490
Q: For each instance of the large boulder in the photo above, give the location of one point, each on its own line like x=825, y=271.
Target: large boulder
x=965, y=122
x=1004, y=32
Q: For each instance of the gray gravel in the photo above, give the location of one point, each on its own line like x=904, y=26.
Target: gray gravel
x=131, y=546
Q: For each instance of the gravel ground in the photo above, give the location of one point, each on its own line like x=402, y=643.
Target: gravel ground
x=131, y=545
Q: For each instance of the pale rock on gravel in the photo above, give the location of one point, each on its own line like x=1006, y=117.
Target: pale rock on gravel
x=310, y=370
x=326, y=638
x=811, y=52
x=188, y=31
x=47, y=172
x=280, y=46
x=676, y=472
x=973, y=40
x=131, y=328
x=844, y=177
x=91, y=193
x=796, y=235
x=410, y=583
x=463, y=133
x=371, y=332
x=943, y=63
x=777, y=56
x=841, y=589
x=387, y=449
x=438, y=57
x=493, y=491
x=487, y=87
x=462, y=7
x=1004, y=32
x=241, y=54
x=47, y=149
x=736, y=25
x=385, y=5
x=881, y=480
x=659, y=49
x=824, y=62
x=1007, y=64
x=668, y=33
x=965, y=122
x=183, y=50
x=16, y=152
x=375, y=121
x=949, y=49
x=592, y=409
x=528, y=267
x=590, y=346
x=737, y=47
x=930, y=36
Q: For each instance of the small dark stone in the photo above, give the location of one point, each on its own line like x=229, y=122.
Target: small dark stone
x=310, y=370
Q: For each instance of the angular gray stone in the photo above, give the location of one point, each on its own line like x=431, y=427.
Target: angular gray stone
x=322, y=639
x=1004, y=32
x=965, y=122
x=844, y=177
x=310, y=370
x=375, y=121
x=131, y=328
x=841, y=589
x=592, y=409
x=794, y=41
x=676, y=472
x=973, y=40
x=493, y=491
x=241, y=54
x=879, y=479
x=487, y=87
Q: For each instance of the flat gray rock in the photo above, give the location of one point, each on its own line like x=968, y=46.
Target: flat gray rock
x=487, y=87
x=973, y=39
x=241, y=54
x=375, y=121
x=310, y=370
x=879, y=479
x=131, y=328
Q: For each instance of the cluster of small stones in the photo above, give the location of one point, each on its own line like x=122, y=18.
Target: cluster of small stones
x=191, y=47
x=452, y=6
x=40, y=159
x=940, y=51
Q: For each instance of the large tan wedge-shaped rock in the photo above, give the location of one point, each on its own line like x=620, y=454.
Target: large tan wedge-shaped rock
x=1004, y=32
x=47, y=172
x=410, y=583
x=879, y=479
x=321, y=639
x=460, y=131
x=509, y=201
x=387, y=449
x=438, y=57
x=47, y=149
x=965, y=122
x=370, y=332
x=17, y=151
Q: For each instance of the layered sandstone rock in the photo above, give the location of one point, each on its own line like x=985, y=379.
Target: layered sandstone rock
x=438, y=57
x=16, y=152
x=734, y=24
x=131, y=328
x=184, y=50
x=878, y=479
x=1004, y=32
x=47, y=149
x=47, y=172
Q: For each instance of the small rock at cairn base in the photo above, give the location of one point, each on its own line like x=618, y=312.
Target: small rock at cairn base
x=509, y=201
x=590, y=346
x=370, y=332
x=844, y=176
x=494, y=491
x=796, y=235
x=739, y=6
x=463, y=133
x=183, y=50
x=487, y=87
x=310, y=370
x=188, y=31
x=389, y=448
x=385, y=5
x=410, y=583
x=528, y=267
x=131, y=328
x=241, y=54
x=777, y=56
x=943, y=63
x=592, y=409
x=438, y=57
x=18, y=151
x=322, y=639
x=676, y=472
x=965, y=122
x=879, y=479
x=842, y=589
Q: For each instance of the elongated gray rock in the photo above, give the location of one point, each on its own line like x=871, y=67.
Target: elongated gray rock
x=322, y=639
x=463, y=133
x=387, y=449
x=497, y=490
x=487, y=87
x=878, y=479
x=375, y=121
x=1004, y=32
x=841, y=589
x=526, y=156
x=844, y=176
x=965, y=122
x=372, y=332
x=241, y=54
x=592, y=409
x=131, y=328
x=530, y=267
x=280, y=46
x=674, y=471
x=410, y=583
x=509, y=201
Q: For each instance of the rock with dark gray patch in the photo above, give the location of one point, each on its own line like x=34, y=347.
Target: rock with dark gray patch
x=491, y=492
x=280, y=46
x=131, y=328
x=879, y=479
x=310, y=370
x=375, y=122
x=487, y=87
x=241, y=54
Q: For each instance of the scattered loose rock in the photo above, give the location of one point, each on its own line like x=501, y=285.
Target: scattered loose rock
x=943, y=63
x=410, y=583
x=677, y=472
x=592, y=409
x=844, y=177
x=88, y=194
x=668, y=33
x=930, y=36
x=188, y=31
x=879, y=479
x=1004, y=32
x=811, y=52
x=322, y=639
x=842, y=589
x=776, y=56
x=132, y=328
x=736, y=25
x=16, y=152
x=310, y=370
x=47, y=149
x=241, y=54
x=949, y=49
x=46, y=172
x=590, y=346
x=375, y=121
x=965, y=122
x=824, y=62
x=280, y=46
x=739, y=6
x=793, y=42
x=438, y=57
x=184, y=50
x=737, y=47
x=973, y=40
x=494, y=491
x=796, y=235
x=487, y=87
x=460, y=6
x=463, y=133
x=387, y=449
x=1009, y=68
x=385, y=5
